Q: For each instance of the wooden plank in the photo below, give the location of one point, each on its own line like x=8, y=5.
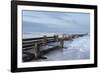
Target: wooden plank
x=28, y=39
x=28, y=45
x=27, y=48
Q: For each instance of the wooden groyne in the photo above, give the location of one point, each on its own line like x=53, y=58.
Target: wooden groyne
x=36, y=43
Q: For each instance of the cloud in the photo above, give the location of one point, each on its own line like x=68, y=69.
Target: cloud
x=57, y=21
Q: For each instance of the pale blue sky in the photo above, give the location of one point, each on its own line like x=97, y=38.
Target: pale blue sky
x=63, y=22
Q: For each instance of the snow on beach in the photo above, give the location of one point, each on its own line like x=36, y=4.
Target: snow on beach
x=79, y=48
x=73, y=50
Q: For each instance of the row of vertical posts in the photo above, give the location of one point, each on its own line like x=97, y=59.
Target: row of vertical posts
x=44, y=42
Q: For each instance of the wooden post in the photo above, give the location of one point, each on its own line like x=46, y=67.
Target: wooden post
x=45, y=40
x=70, y=37
x=63, y=36
x=36, y=50
x=62, y=40
x=56, y=39
x=62, y=43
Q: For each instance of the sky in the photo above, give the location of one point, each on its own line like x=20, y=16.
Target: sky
x=52, y=22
